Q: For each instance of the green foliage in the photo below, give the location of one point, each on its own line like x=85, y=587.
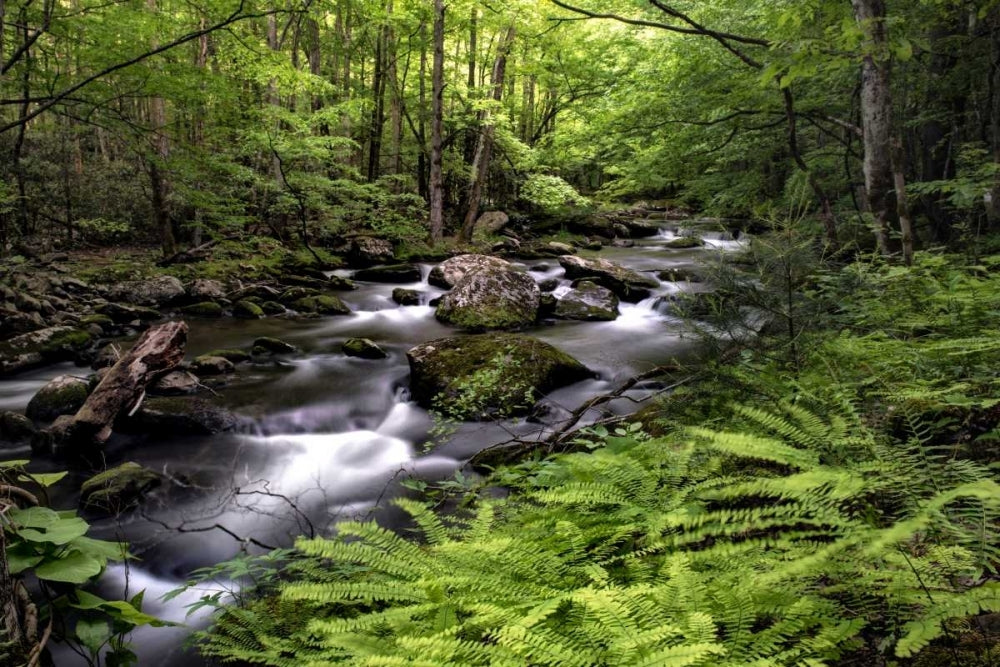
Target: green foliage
x=551, y=194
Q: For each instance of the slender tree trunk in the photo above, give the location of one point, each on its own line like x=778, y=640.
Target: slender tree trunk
x=378, y=106
x=484, y=146
x=422, y=186
x=470, y=84
x=902, y=201
x=396, y=101
x=201, y=62
x=437, y=101
x=876, y=116
x=157, y=180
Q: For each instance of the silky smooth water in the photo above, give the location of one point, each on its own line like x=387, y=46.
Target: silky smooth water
x=330, y=437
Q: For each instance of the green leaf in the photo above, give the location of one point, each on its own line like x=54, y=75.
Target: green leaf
x=21, y=557
x=34, y=517
x=62, y=531
x=93, y=633
x=102, y=549
x=73, y=568
x=42, y=479
x=119, y=610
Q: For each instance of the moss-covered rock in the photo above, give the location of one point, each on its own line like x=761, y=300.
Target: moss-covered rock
x=272, y=308
x=175, y=383
x=685, y=242
x=157, y=291
x=293, y=294
x=206, y=365
x=393, y=273
x=166, y=417
x=203, y=309
x=16, y=428
x=490, y=299
x=627, y=284
x=274, y=346
x=406, y=297
x=63, y=395
x=235, y=356
x=363, y=348
x=450, y=272
x=476, y=377
x=247, y=310
x=321, y=304
x=43, y=346
x=588, y=302
x=119, y=488
x=679, y=274
x=122, y=313
x=103, y=321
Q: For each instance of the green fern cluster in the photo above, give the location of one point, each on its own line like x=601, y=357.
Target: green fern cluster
x=776, y=544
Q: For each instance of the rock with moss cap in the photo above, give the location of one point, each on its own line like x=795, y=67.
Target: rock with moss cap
x=203, y=309
x=627, y=284
x=491, y=299
x=43, y=346
x=685, y=242
x=321, y=304
x=476, y=377
x=247, y=310
x=175, y=383
x=450, y=272
x=119, y=488
x=206, y=365
x=16, y=428
x=406, y=297
x=157, y=291
x=179, y=416
x=588, y=302
x=363, y=348
x=393, y=273
x=63, y=395
x=122, y=313
x=269, y=345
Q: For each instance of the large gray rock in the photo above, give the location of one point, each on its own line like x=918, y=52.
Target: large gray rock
x=63, y=395
x=40, y=347
x=156, y=291
x=478, y=377
x=627, y=284
x=368, y=251
x=14, y=323
x=175, y=383
x=447, y=274
x=488, y=299
x=492, y=222
x=204, y=289
x=588, y=302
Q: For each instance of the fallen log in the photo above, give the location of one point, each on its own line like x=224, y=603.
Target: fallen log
x=158, y=351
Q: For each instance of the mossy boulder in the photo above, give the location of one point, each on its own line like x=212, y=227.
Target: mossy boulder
x=203, y=309
x=122, y=313
x=684, y=243
x=103, y=321
x=63, y=395
x=247, y=310
x=629, y=285
x=16, y=428
x=478, y=377
x=588, y=302
x=272, y=308
x=450, y=272
x=274, y=346
x=157, y=291
x=206, y=365
x=394, y=273
x=679, y=274
x=204, y=289
x=369, y=251
x=321, y=304
x=175, y=383
x=235, y=356
x=490, y=299
x=119, y=488
x=363, y=348
x=406, y=297
x=48, y=345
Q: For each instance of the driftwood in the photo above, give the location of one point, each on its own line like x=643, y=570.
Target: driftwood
x=158, y=351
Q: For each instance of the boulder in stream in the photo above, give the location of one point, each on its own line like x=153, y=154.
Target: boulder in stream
x=43, y=346
x=406, y=297
x=157, y=291
x=175, y=383
x=589, y=302
x=321, y=304
x=179, y=416
x=489, y=299
x=685, y=242
x=394, y=273
x=450, y=272
x=119, y=488
x=629, y=285
x=268, y=345
x=363, y=348
x=16, y=428
x=203, y=309
x=488, y=375
x=63, y=395
x=203, y=289
x=247, y=310
x=206, y=365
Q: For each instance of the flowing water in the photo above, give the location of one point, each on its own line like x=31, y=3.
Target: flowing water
x=329, y=437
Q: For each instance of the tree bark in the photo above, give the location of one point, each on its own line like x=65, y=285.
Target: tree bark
x=437, y=101
x=902, y=201
x=422, y=185
x=158, y=351
x=876, y=116
x=470, y=133
x=484, y=146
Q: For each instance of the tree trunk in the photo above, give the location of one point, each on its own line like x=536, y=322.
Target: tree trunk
x=437, y=102
x=902, y=202
x=876, y=116
x=484, y=146
x=470, y=134
x=422, y=186
x=378, y=107
x=158, y=351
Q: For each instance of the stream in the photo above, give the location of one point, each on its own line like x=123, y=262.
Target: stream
x=328, y=437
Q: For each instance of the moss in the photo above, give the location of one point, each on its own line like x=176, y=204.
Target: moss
x=685, y=242
x=235, y=356
x=272, y=308
x=363, y=348
x=322, y=304
x=119, y=487
x=73, y=339
x=247, y=310
x=273, y=346
x=63, y=395
x=203, y=309
x=102, y=321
